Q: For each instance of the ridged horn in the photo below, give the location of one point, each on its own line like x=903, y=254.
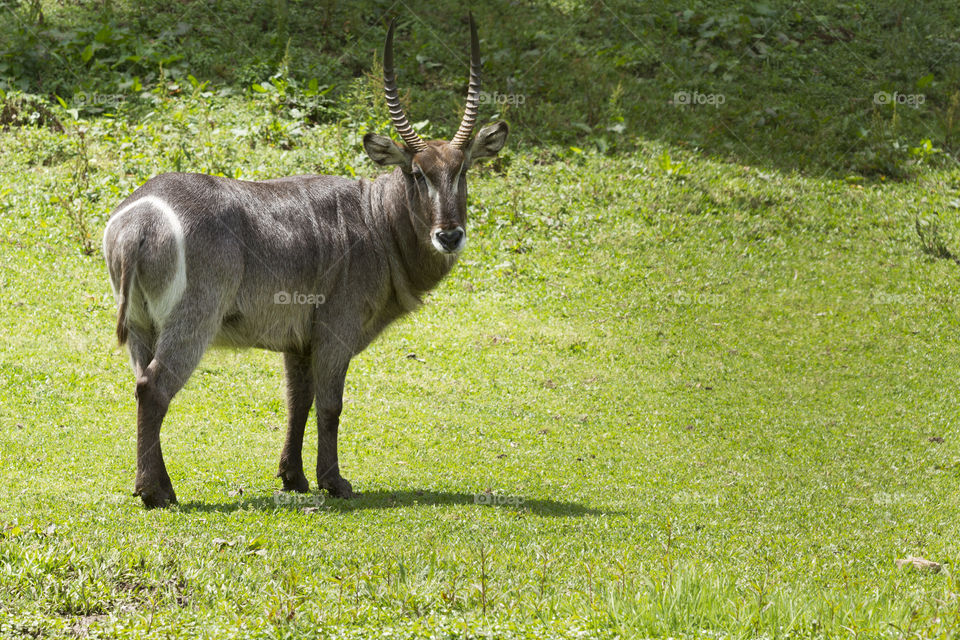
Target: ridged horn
x=473, y=91
x=400, y=122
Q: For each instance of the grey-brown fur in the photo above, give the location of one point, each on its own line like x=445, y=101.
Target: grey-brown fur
x=359, y=254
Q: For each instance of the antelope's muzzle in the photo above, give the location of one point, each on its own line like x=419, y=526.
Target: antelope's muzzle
x=449, y=240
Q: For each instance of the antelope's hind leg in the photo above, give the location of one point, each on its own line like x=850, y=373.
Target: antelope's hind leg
x=179, y=348
x=141, y=344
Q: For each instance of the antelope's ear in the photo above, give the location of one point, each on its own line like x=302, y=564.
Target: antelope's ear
x=489, y=141
x=385, y=151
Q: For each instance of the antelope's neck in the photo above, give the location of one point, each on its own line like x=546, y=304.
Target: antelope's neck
x=416, y=267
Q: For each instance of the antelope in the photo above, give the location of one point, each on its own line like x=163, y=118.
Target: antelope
x=311, y=266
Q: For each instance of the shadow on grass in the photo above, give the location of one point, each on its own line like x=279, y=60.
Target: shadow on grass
x=384, y=499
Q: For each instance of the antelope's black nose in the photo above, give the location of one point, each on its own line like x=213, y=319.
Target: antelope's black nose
x=450, y=239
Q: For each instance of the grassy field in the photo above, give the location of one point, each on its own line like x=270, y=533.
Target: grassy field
x=695, y=375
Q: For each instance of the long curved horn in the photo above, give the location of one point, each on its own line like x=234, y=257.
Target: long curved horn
x=473, y=91
x=400, y=122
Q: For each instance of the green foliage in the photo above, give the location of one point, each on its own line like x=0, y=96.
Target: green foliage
x=669, y=167
x=18, y=109
x=931, y=238
x=76, y=202
x=98, y=57
x=797, y=82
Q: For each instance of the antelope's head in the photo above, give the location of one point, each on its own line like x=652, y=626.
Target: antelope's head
x=435, y=171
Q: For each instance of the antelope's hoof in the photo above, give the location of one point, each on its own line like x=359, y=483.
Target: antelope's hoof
x=156, y=494
x=294, y=482
x=337, y=487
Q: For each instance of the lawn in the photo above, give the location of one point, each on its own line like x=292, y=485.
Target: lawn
x=694, y=375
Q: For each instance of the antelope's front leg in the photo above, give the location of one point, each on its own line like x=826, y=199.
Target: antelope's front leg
x=300, y=394
x=329, y=403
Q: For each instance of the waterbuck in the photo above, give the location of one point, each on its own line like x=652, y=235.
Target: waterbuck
x=311, y=266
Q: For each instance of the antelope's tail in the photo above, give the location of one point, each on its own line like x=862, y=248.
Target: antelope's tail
x=123, y=283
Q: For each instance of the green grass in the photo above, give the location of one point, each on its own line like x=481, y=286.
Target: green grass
x=707, y=395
